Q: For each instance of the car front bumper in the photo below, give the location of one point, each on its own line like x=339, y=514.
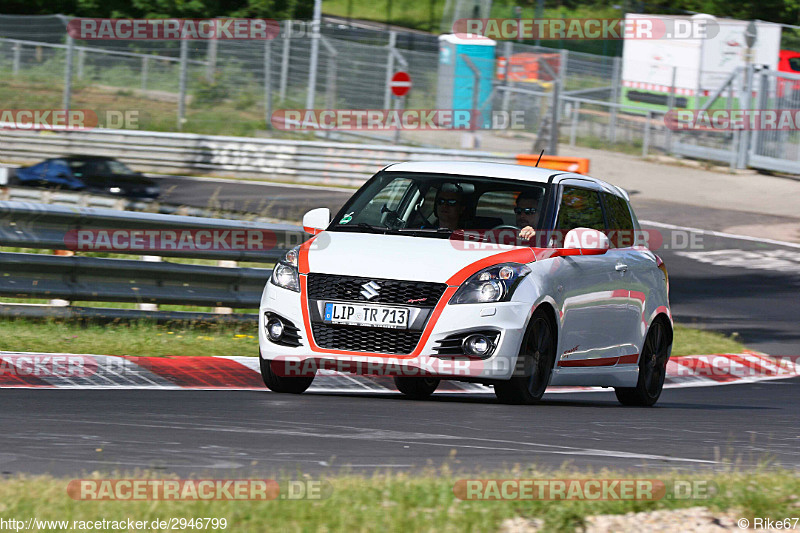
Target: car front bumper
x=508, y=319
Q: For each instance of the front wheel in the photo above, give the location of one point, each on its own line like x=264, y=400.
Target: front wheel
x=276, y=383
x=652, y=369
x=416, y=388
x=537, y=356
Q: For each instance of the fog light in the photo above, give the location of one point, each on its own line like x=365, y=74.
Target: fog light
x=477, y=345
x=274, y=329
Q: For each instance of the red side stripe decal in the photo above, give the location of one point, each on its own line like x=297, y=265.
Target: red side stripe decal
x=602, y=361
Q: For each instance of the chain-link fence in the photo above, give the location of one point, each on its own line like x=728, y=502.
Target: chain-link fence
x=233, y=86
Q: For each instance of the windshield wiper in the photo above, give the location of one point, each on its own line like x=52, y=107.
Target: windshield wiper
x=363, y=225
x=425, y=230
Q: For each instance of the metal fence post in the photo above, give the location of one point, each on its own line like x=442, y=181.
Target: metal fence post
x=387, y=94
x=646, y=141
x=17, y=57
x=182, y=83
x=287, y=32
x=508, y=50
x=211, y=60
x=576, y=109
x=65, y=103
x=757, y=136
x=562, y=67
x=145, y=68
x=554, y=124
x=312, y=67
x=747, y=103
x=268, y=83
x=612, y=119
x=735, y=138
x=330, y=73
x=670, y=106
x=81, y=60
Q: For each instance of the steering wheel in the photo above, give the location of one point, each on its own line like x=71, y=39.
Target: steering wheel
x=506, y=226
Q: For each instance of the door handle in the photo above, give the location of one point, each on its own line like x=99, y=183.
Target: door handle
x=621, y=267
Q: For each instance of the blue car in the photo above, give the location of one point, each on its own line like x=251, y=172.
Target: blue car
x=95, y=174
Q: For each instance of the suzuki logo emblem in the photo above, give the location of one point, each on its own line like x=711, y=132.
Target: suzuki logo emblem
x=370, y=290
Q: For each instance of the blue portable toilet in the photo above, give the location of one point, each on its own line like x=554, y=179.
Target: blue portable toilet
x=456, y=81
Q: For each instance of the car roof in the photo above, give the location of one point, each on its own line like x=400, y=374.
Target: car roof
x=477, y=169
x=86, y=158
x=498, y=170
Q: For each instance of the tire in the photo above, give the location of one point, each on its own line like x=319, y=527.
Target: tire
x=416, y=388
x=282, y=384
x=652, y=368
x=537, y=356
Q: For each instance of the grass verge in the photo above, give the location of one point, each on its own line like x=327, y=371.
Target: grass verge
x=144, y=338
x=402, y=502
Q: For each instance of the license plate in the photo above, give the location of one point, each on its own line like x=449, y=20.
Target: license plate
x=366, y=315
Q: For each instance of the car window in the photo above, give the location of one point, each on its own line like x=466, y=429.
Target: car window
x=498, y=205
x=432, y=202
x=794, y=63
x=117, y=167
x=580, y=208
x=620, y=222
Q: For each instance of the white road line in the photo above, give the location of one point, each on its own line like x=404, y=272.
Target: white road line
x=720, y=234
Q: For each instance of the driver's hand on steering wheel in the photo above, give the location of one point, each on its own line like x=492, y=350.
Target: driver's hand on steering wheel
x=527, y=233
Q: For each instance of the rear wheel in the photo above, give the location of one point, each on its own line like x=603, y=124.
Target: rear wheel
x=537, y=356
x=276, y=383
x=652, y=368
x=416, y=388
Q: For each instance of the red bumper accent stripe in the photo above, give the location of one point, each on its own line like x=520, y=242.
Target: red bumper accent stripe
x=602, y=361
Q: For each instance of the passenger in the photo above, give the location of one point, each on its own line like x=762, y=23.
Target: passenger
x=449, y=207
x=527, y=211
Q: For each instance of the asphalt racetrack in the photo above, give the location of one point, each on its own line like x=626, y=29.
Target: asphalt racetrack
x=745, y=286
x=242, y=433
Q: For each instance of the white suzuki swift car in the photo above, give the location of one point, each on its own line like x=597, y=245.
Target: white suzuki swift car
x=512, y=276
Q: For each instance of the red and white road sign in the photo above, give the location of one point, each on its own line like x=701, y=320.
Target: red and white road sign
x=401, y=83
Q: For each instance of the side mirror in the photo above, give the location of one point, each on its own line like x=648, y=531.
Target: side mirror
x=316, y=220
x=586, y=240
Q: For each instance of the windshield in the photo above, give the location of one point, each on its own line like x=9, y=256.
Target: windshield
x=95, y=167
x=431, y=204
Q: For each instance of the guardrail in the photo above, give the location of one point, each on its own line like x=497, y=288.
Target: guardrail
x=122, y=280
x=97, y=279
x=30, y=225
x=252, y=158
x=83, y=199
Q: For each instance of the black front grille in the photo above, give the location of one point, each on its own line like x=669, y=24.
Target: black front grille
x=361, y=339
x=391, y=291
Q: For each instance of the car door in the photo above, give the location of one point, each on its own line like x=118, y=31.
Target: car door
x=592, y=304
x=629, y=269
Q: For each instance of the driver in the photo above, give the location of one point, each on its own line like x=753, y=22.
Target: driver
x=527, y=212
x=449, y=206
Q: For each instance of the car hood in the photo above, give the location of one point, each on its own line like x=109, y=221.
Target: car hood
x=395, y=256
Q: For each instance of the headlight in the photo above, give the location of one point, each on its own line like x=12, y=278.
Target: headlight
x=493, y=284
x=285, y=272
